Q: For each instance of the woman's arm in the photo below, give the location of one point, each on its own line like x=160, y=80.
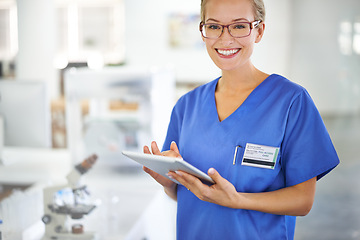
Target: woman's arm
x=295, y=200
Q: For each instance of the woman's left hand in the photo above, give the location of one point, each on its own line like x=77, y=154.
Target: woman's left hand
x=295, y=200
x=221, y=193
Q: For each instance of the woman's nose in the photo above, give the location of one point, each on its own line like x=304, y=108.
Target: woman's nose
x=226, y=36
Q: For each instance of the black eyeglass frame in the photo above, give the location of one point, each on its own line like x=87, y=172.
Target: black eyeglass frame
x=253, y=25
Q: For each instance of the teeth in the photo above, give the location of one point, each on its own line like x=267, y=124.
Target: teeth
x=228, y=52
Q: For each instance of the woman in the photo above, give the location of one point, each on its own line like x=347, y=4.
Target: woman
x=259, y=137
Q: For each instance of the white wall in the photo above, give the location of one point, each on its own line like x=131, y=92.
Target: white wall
x=273, y=53
x=332, y=78
x=147, y=39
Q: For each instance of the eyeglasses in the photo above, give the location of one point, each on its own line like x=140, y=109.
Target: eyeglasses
x=236, y=30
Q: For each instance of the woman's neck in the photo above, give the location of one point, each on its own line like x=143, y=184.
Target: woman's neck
x=241, y=79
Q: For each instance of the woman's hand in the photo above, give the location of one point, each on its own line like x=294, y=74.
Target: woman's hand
x=221, y=193
x=169, y=186
x=296, y=200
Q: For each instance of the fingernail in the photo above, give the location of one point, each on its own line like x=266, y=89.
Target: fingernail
x=211, y=171
x=169, y=176
x=178, y=173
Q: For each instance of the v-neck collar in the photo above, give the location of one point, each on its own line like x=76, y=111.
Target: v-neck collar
x=218, y=131
x=241, y=109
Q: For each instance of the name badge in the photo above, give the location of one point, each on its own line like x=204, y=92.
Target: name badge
x=260, y=156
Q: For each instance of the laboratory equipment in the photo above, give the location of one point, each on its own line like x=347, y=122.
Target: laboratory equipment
x=25, y=109
x=68, y=202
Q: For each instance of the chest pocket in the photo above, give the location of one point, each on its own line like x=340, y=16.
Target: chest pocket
x=256, y=169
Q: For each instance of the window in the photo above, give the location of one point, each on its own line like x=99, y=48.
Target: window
x=8, y=30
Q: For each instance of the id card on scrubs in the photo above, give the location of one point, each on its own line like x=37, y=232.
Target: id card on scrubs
x=260, y=156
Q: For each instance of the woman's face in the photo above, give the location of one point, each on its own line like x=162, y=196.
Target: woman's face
x=227, y=52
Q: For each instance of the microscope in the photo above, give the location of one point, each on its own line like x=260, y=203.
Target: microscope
x=65, y=202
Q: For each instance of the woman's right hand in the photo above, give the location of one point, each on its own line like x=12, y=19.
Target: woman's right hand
x=169, y=186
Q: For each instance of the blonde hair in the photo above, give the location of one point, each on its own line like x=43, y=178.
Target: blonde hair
x=258, y=6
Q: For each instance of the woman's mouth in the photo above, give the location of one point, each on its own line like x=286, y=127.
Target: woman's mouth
x=228, y=52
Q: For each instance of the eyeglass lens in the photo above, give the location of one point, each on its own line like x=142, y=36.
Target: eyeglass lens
x=236, y=30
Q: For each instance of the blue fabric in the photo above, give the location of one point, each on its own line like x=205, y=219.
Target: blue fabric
x=277, y=113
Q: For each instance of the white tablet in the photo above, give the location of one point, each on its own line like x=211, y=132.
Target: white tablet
x=163, y=165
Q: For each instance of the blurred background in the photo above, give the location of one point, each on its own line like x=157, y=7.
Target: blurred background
x=99, y=76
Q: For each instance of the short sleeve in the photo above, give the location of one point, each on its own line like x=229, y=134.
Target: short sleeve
x=307, y=150
x=173, y=131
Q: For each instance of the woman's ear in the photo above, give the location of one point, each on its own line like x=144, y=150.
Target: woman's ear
x=261, y=30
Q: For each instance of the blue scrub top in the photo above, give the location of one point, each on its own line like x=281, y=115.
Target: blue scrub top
x=278, y=113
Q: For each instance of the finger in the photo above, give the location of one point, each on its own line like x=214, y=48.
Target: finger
x=159, y=178
x=215, y=175
x=155, y=149
x=146, y=150
x=147, y=170
x=189, y=181
x=150, y=172
x=155, y=175
x=203, y=191
x=174, y=147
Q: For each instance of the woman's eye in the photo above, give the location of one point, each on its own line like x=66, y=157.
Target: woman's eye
x=213, y=27
x=239, y=26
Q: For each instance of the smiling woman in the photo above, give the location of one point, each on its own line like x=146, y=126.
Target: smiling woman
x=219, y=127
x=243, y=29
